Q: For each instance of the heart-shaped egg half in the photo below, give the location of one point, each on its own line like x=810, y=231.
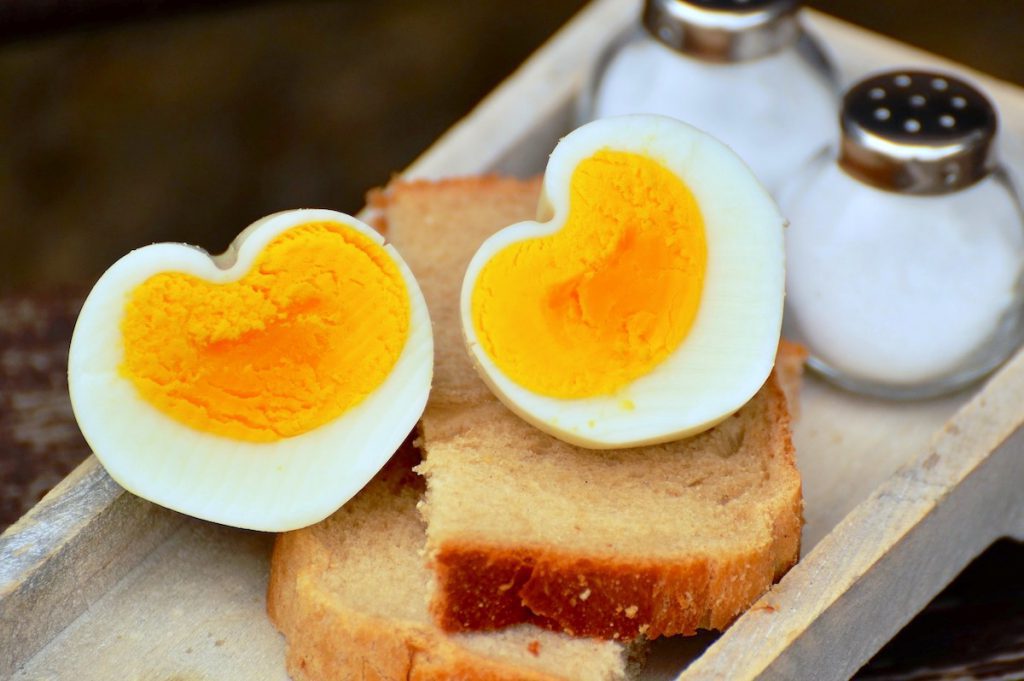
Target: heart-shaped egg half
x=261, y=388
x=645, y=305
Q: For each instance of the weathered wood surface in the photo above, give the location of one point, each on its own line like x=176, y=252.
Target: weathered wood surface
x=892, y=553
x=973, y=630
x=894, y=547
x=39, y=441
x=193, y=610
x=86, y=526
x=67, y=553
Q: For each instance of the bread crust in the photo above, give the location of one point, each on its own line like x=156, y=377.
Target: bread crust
x=483, y=586
x=329, y=639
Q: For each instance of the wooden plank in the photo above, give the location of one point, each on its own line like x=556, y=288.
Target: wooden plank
x=892, y=554
x=68, y=551
x=193, y=610
x=40, y=444
x=1015, y=521
x=973, y=629
x=847, y=445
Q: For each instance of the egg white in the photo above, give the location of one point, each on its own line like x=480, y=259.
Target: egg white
x=730, y=349
x=273, y=486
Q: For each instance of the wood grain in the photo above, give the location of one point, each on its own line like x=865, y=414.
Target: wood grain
x=66, y=553
x=973, y=629
x=39, y=441
x=193, y=610
x=85, y=533
x=891, y=554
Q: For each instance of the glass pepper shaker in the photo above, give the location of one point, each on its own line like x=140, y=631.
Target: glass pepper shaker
x=905, y=250
x=744, y=71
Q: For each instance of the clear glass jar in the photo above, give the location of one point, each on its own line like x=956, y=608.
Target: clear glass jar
x=744, y=71
x=905, y=249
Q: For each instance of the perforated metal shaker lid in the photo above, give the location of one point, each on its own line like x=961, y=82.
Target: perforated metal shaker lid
x=917, y=132
x=723, y=30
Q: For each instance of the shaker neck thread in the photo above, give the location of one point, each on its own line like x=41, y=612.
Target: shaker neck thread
x=723, y=30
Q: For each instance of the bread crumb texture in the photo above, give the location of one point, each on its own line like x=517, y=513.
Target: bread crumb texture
x=308, y=332
x=349, y=596
x=617, y=287
x=663, y=540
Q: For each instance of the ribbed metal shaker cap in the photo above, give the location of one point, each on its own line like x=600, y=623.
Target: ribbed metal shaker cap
x=917, y=132
x=723, y=30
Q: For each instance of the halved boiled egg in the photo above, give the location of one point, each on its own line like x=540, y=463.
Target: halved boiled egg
x=261, y=388
x=645, y=305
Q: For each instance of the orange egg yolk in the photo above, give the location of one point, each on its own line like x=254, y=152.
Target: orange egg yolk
x=307, y=333
x=601, y=302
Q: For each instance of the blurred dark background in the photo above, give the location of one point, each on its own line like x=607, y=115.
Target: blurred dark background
x=129, y=121
x=124, y=122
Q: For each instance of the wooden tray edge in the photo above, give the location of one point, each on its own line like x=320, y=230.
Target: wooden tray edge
x=51, y=570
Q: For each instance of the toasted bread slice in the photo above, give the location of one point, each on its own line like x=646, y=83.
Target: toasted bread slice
x=350, y=596
x=521, y=527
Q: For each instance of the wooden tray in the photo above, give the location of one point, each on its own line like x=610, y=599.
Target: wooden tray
x=98, y=584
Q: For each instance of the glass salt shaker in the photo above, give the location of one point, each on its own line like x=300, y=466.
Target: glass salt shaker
x=905, y=249
x=744, y=71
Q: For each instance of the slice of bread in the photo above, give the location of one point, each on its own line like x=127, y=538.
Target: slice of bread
x=349, y=594
x=521, y=527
